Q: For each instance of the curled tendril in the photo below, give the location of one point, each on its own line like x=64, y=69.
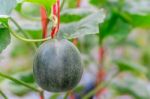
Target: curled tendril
x=28, y=40
x=54, y=20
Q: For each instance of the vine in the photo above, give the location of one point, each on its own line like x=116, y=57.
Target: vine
x=3, y=95
x=19, y=82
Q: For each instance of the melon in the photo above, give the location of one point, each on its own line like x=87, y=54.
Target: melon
x=57, y=66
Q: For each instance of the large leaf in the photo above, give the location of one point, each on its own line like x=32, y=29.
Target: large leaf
x=71, y=15
x=6, y=6
x=126, y=65
x=114, y=26
x=132, y=86
x=139, y=20
x=88, y=25
x=4, y=34
x=46, y=3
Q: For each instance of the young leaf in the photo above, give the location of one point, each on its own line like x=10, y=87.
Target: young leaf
x=88, y=25
x=7, y=6
x=4, y=37
x=46, y=3
x=114, y=26
x=139, y=20
x=4, y=34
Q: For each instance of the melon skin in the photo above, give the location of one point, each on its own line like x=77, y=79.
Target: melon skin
x=57, y=66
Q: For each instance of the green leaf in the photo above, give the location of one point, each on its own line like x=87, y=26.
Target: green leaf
x=126, y=65
x=72, y=15
x=46, y=3
x=5, y=9
x=4, y=21
x=7, y=6
x=139, y=20
x=88, y=25
x=4, y=34
x=107, y=25
x=114, y=26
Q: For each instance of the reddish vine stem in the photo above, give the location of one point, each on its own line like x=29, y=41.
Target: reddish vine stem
x=42, y=95
x=78, y=3
x=101, y=73
x=44, y=21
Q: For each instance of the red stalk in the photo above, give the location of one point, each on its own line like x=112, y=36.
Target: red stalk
x=42, y=95
x=78, y=3
x=101, y=73
x=44, y=21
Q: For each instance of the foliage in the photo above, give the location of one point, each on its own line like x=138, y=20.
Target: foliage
x=103, y=23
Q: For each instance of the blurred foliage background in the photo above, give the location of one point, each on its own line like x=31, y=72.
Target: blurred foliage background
x=124, y=36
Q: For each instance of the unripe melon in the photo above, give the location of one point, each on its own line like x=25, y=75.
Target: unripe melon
x=57, y=66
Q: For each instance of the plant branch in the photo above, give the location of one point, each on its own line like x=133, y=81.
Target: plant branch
x=20, y=82
x=4, y=96
x=19, y=27
x=23, y=32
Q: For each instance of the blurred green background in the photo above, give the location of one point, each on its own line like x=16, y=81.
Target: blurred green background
x=124, y=35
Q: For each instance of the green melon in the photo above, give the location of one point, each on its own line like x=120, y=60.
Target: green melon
x=57, y=66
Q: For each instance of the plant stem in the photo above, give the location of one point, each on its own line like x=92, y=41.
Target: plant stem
x=19, y=27
x=23, y=32
x=4, y=96
x=27, y=40
x=19, y=82
x=99, y=87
